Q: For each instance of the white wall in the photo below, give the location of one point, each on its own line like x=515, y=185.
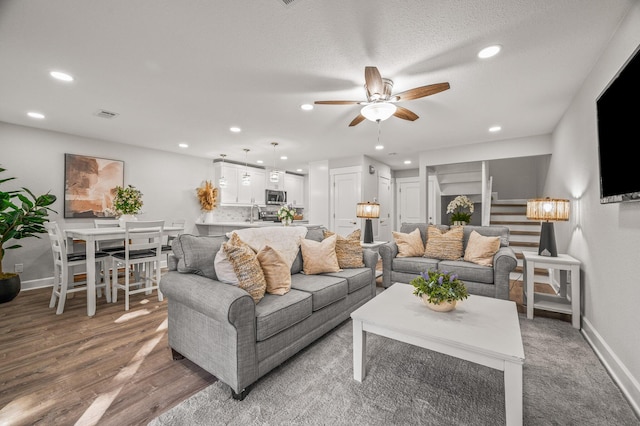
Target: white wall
x=604, y=237
x=36, y=157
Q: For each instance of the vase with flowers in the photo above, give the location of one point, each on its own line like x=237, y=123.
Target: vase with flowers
x=208, y=197
x=127, y=203
x=286, y=214
x=439, y=290
x=461, y=209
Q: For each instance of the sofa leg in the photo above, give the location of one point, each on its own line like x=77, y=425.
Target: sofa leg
x=176, y=355
x=240, y=396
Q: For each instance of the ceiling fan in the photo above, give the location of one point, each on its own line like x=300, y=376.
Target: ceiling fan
x=380, y=103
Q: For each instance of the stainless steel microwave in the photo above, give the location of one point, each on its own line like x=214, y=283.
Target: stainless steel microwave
x=273, y=196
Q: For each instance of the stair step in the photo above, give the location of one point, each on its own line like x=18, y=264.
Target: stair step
x=523, y=243
x=517, y=232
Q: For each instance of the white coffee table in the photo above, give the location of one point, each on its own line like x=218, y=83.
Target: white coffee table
x=482, y=330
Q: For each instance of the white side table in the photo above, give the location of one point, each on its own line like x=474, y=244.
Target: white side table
x=565, y=302
x=373, y=246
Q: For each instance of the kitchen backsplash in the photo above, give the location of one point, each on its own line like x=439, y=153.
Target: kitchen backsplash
x=235, y=214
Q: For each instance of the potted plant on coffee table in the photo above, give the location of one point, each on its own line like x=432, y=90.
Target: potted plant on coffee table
x=22, y=215
x=439, y=290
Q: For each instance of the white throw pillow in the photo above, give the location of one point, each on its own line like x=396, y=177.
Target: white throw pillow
x=224, y=268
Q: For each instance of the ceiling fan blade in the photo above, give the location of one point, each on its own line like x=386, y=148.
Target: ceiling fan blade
x=405, y=114
x=421, y=92
x=373, y=81
x=359, y=119
x=337, y=102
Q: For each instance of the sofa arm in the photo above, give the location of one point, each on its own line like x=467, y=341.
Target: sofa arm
x=504, y=261
x=387, y=252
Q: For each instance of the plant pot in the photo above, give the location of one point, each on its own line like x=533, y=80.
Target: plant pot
x=123, y=219
x=286, y=222
x=440, y=307
x=9, y=288
x=207, y=217
x=459, y=223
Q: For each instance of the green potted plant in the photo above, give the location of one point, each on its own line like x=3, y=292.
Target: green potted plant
x=127, y=203
x=461, y=209
x=22, y=215
x=286, y=214
x=439, y=290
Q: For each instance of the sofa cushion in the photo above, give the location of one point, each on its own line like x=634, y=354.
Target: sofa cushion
x=324, y=289
x=356, y=277
x=284, y=239
x=276, y=271
x=348, y=249
x=407, y=227
x=468, y=271
x=196, y=254
x=445, y=245
x=247, y=268
x=488, y=231
x=224, y=267
x=314, y=234
x=481, y=249
x=319, y=257
x=413, y=265
x=276, y=313
x=410, y=244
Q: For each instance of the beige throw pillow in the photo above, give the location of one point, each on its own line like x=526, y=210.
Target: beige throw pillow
x=444, y=245
x=247, y=268
x=319, y=257
x=348, y=249
x=409, y=245
x=224, y=268
x=481, y=249
x=276, y=272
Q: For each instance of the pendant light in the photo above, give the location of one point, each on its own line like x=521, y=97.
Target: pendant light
x=222, y=182
x=246, y=178
x=274, y=176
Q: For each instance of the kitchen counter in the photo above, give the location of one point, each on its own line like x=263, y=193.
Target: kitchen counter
x=221, y=228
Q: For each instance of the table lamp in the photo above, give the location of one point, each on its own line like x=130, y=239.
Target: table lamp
x=368, y=211
x=548, y=210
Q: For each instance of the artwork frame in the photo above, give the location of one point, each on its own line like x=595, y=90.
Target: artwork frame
x=89, y=185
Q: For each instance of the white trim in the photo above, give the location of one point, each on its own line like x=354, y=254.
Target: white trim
x=34, y=284
x=620, y=374
x=343, y=170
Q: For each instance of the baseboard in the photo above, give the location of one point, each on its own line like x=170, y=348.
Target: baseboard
x=628, y=385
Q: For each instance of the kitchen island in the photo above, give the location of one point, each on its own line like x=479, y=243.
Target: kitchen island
x=221, y=228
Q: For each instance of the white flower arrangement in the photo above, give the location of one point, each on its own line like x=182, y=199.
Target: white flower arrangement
x=127, y=200
x=286, y=212
x=457, y=208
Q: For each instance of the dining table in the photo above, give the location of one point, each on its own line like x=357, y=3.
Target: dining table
x=92, y=235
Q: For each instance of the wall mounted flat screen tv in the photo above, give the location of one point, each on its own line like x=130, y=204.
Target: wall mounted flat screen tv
x=618, y=108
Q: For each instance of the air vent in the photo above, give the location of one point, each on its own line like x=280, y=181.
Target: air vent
x=106, y=114
x=286, y=2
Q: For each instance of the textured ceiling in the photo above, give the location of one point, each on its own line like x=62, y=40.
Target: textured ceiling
x=185, y=71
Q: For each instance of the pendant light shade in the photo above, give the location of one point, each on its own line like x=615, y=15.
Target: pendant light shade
x=378, y=111
x=274, y=176
x=246, y=177
x=222, y=182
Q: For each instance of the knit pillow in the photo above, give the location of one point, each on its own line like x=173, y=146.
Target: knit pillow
x=276, y=271
x=409, y=245
x=348, y=249
x=224, y=269
x=481, y=249
x=319, y=257
x=247, y=268
x=444, y=245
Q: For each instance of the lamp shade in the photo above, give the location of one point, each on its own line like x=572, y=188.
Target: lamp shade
x=548, y=209
x=368, y=210
x=378, y=111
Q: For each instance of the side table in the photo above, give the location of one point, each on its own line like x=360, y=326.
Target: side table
x=565, y=302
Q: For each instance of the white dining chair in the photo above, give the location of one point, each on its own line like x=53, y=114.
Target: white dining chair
x=143, y=251
x=166, y=248
x=63, y=262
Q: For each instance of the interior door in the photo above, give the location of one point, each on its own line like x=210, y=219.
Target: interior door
x=408, y=202
x=346, y=195
x=384, y=199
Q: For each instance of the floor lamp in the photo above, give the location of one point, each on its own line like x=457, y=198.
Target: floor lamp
x=548, y=210
x=368, y=211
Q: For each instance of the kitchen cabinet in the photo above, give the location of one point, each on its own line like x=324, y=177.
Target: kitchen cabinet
x=236, y=194
x=279, y=185
x=294, y=185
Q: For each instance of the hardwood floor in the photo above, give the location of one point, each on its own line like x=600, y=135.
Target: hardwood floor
x=112, y=369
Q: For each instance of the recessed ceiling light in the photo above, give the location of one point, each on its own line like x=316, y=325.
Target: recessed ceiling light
x=379, y=147
x=495, y=128
x=284, y=157
x=259, y=161
x=407, y=161
x=490, y=51
x=62, y=76
x=235, y=129
x=34, y=114
x=298, y=170
x=306, y=107
x=183, y=145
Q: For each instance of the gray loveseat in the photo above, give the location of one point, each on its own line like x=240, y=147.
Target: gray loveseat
x=492, y=281
x=219, y=327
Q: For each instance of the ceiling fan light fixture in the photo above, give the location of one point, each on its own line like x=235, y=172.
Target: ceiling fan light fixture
x=378, y=111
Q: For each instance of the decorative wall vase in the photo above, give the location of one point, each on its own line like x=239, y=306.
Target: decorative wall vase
x=124, y=218
x=440, y=307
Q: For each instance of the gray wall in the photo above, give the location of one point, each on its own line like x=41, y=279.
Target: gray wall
x=519, y=178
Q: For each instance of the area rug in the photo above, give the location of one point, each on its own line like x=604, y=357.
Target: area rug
x=564, y=384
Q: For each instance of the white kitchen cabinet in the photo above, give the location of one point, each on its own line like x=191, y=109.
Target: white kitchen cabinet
x=294, y=185
x=275, y=185
x=236, y=194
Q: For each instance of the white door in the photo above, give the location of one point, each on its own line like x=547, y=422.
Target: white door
x=384, y=199
x=408, y=202
x=346, y=195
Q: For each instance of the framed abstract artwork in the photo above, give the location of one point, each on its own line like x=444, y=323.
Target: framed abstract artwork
x=89, y=185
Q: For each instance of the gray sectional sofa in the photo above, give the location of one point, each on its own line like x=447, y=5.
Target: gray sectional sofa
x=220, y=328
x=492, y=281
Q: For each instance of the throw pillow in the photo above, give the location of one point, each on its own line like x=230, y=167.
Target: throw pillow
x=481, y=249
x=444, y=245
x=409, y=245
x=248, y=269
x=285, y=239
x=275, y=270
x=319, y=257
x=224, y=269
x=348, y=249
